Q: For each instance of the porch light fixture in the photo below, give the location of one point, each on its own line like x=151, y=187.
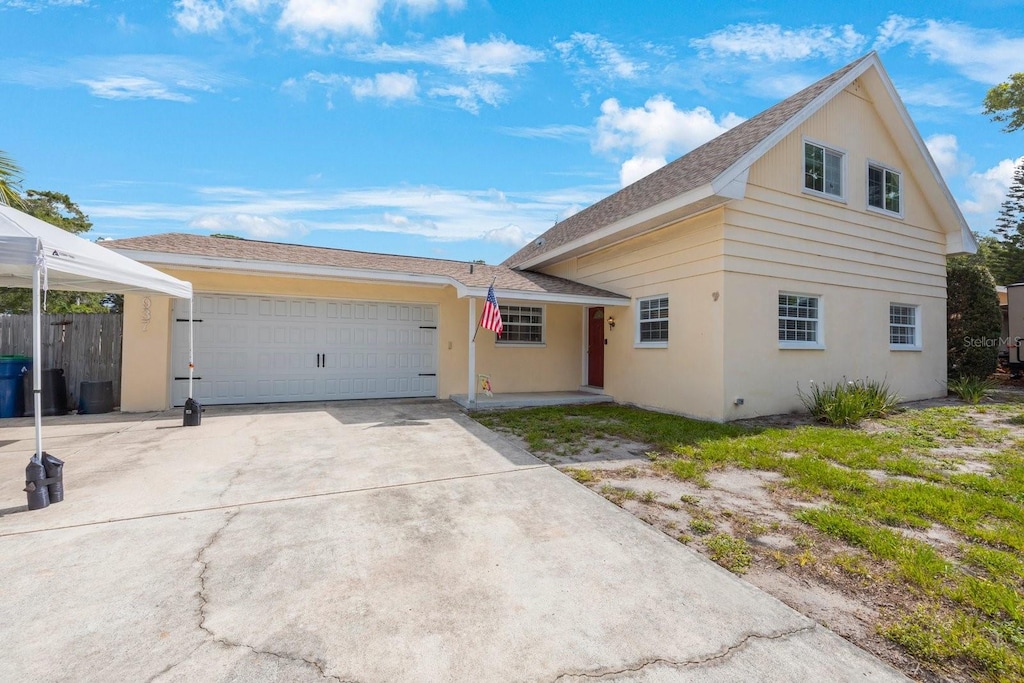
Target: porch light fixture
x=611, y=322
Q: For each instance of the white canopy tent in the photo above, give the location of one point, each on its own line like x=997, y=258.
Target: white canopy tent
x=35, y=254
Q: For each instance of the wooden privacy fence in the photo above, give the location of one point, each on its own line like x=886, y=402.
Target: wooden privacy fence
x=86, y=345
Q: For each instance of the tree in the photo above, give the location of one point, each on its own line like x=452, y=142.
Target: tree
x=974, y=320
x=1005, y=103
x=58, y=209
x=1008, y=258
x=10, y=180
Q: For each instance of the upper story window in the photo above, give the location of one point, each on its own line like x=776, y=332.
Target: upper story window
x=904, y=327
x=823, y=170
x=799, y=321
x=884, y=189
x=652, y=321
x=522, y=325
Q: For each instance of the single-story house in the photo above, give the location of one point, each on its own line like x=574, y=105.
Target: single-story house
x=807, y=243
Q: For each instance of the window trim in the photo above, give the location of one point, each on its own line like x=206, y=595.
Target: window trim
x=867, y=188
x=916, y=346
x=818, y=345
x=843, y=171
x=525, y=344
x=637, y=344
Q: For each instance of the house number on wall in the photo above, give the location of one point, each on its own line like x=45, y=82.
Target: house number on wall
x=147, y=314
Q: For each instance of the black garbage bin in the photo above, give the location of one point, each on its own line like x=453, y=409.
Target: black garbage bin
x=55, y=393
x=95, y=397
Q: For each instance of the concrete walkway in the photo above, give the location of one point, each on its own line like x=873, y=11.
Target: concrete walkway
x=367, y=541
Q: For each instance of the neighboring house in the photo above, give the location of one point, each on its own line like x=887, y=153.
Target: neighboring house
x=807, y=243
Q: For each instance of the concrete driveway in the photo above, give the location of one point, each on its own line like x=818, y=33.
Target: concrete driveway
x=366, y=541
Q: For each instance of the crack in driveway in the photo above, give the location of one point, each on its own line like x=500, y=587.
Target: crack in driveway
x=204, y=604
x=725, y=652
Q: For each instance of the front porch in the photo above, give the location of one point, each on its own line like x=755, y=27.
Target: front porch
x=529, y=399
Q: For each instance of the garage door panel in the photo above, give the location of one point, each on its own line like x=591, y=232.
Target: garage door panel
x=272, y=349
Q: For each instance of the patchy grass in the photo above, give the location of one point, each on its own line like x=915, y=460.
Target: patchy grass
x=730, y=552
x=876, y=492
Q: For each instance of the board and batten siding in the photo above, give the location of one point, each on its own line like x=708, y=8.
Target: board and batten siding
x=781, y=239
x=685, y=262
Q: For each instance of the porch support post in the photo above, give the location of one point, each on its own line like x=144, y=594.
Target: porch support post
x=471, y=395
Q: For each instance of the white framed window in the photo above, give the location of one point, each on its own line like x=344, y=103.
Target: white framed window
x=800, y=317
x=652, y=321
x=904, y=327
x=885, y=189
x=523, y=325
x=824, y=168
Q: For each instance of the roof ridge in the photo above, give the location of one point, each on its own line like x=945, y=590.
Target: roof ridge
x=663, y=184
x=246, y=240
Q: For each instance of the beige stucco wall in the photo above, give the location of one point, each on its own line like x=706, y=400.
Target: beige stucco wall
x=554, y=367
x=781, y=239
x=684, y=261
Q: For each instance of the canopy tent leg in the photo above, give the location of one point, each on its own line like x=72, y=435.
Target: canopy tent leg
x=37, y=359
x=191, y=345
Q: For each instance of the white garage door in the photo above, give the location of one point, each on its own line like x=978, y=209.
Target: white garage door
x=270, y=349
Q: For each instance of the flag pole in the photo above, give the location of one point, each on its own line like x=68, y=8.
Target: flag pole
x=473, y=340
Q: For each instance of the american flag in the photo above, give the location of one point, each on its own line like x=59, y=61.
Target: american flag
x=491, y=319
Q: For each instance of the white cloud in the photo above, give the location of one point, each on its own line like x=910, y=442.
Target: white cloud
x=608, y=58
x=984, y=55
x=256, y=227
x=199, y=16
x=773, y=43
x=437, y=213
x=654, y=132
x=933, y=94
x=133, y=88
x=340, y=17
x=945, y=150
x=496, y=56
x=555, y=131
x=470, y=95
x=637, y=167
x=163, y=77
x=428, y=6
x=39, y=5
x=511, y=235
x=988, y=188
x=390, y=87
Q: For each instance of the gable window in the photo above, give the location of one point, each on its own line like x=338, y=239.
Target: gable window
x=884, y=190
x=799, y=321
x=904, y=327
x=652, y=321
x=523, y=325
x=823, y=170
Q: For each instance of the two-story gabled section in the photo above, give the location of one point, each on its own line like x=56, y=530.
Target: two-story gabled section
x=807, y=243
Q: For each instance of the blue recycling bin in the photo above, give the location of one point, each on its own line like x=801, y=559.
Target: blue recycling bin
x=12, y=403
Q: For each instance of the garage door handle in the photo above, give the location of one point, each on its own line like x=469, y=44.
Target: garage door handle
x=428, y=327
x=185, y=320
x=177, y=378
x=428, y=374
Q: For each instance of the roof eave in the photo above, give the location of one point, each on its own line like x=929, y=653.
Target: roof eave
x=649, y=214
x=281, y=268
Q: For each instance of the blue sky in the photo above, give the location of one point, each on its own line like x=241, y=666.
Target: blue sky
x=449, y=128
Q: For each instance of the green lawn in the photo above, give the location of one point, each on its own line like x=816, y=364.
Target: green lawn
x=875, y=488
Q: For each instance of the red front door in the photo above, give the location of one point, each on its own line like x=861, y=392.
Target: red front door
x=595, y=347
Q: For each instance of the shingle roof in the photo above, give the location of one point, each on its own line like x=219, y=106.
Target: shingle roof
x=693, y=170
x=272, y=252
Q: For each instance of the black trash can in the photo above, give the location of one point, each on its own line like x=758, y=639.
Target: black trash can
x=95, y=398
x=55, y=393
